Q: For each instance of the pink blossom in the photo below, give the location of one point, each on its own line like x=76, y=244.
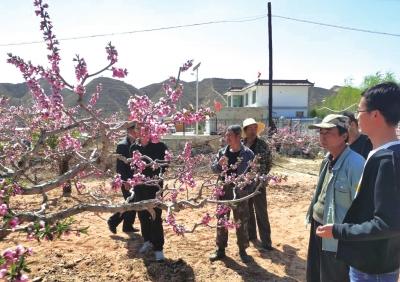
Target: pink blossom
x=168, y=156
x=116, y=184
x=206, y=219
x=120, y=73
x=137, y=163
x=22, y=278
x=3, y=273
x=67, y=142
x=14, y=222
x=80, y=90
x=187, y=65
x=112, y=54
x=3, y=209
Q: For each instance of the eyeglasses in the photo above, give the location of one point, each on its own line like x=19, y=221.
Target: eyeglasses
x=361, y=111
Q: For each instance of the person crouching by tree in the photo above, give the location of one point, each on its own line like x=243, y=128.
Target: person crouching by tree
x=258, y=203
x=124, y=169
x=151, y=228
x=234, y=153
x=339, y=175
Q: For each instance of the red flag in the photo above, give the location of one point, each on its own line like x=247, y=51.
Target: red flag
x=217, y=106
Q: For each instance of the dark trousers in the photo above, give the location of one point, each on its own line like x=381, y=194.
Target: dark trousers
x=323, y=265
x=127, y=217
x=258, y=204
x=152, y=228
x=241, y=216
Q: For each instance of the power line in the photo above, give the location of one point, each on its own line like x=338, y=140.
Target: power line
x=241, y=20
x=247, y=19
x=338, y=26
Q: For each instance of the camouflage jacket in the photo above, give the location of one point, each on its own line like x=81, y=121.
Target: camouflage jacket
x=263, y=153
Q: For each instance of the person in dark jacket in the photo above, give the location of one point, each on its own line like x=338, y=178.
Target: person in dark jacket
x=369, y=237
x=234, y=153
x=151, y=228
x=358, y=142
x=258, y=204
x=124, y=169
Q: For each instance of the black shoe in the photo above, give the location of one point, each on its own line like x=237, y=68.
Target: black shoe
x=244, y=257
x=217, y=255
x=130, y=229
x=267, y=247
x=112, y=227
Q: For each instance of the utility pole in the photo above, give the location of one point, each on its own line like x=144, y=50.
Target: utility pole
x=271, y=124
x=196, y=68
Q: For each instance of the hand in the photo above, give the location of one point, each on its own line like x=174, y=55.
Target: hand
x=325, y=231
x=223, y=161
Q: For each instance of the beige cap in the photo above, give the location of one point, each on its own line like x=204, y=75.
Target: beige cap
x=331, y=121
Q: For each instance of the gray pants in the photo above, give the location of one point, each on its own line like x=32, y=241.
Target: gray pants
x=241, y=216
x=258, y=209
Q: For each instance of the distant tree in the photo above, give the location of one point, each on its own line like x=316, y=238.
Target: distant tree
x=348, y=96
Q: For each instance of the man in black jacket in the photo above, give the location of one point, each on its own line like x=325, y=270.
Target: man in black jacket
x=369, y=238
x=358, y=142
x=124, y=169
x=151, y=228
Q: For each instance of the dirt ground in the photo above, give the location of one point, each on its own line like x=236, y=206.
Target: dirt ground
x=102, y=256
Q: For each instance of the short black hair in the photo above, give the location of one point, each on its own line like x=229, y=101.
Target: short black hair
x=384, y=97
x=235, y=129
x=351, y=116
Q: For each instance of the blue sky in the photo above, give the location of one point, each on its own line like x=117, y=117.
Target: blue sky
x=323, y=55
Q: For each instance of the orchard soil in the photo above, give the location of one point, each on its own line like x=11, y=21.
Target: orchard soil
x=102, y=256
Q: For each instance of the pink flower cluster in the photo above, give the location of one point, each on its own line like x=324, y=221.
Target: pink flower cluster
x=95, y=97
x=118, y=72
x=117, y=182
x=168, y=156
x=189, y=116
x=137, y=164
x=69, y=143
x=187, y=65
x=206, y=219
x=14, y=259
x=81, y=71
x=112, y=54
x=177, y=228
x=222, y=210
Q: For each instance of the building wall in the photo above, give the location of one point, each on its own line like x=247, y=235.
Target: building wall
x=287, y=99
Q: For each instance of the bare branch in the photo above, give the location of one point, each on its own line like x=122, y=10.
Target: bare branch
x=45, y=187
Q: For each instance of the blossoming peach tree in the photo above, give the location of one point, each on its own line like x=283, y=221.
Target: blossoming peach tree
x=33, y=139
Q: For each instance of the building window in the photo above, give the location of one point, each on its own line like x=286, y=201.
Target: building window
x=246, y=99
x=229, y=101
x=300, y=114
x=254, y=96
x=237, y=101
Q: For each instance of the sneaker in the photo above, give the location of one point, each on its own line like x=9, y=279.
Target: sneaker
x=244, y=257
x=112, y=227
x=159, y=256
x=217, y=255
x=145, y=247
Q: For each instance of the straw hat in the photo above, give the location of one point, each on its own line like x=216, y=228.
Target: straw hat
x=250, y=121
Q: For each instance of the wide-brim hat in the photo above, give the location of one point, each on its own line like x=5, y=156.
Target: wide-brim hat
x=251, y=121
x=331, y=121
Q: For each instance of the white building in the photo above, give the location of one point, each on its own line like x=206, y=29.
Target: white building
x=289, y=98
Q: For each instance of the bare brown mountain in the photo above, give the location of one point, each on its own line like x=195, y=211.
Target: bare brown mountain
x=115, y=93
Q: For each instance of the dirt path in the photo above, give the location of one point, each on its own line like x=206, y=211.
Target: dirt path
x=101, y=256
